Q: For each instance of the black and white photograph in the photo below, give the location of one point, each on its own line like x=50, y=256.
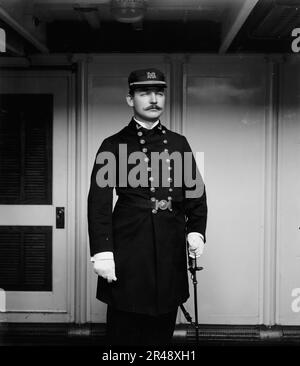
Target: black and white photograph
x=149, y=179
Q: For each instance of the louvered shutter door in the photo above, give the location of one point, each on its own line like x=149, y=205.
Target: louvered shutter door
x=26, y=178
x=26, y=148
x=26, y=258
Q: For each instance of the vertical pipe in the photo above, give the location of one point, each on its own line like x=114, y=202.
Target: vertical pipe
x=81, y=192
x=270, y=204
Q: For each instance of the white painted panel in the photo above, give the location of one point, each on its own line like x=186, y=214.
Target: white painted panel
x=54, y=305
x=288, y=237
x=225, y=118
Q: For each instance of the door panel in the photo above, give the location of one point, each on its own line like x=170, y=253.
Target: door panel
x=51, y=305
x=224, y=117
x=288, y=233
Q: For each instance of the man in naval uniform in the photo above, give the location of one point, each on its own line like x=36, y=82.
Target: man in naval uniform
x=139, y=248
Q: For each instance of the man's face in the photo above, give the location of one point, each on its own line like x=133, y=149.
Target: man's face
x=148, y=103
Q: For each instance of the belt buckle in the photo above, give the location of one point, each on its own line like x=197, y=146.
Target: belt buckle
x=163, y=205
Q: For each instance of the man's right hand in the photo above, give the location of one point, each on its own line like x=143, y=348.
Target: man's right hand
x=106, y=269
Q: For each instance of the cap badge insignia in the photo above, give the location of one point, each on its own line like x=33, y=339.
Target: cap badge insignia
x=151, y=75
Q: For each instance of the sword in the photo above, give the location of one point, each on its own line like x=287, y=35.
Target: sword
x=193, y=268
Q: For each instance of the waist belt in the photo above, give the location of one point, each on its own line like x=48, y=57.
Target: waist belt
x=149, y=203
x=162, y=205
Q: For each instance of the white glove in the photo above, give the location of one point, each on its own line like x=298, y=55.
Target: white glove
x=104, y=266
x=196, y=244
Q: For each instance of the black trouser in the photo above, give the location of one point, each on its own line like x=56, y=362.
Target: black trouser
x=123, y=328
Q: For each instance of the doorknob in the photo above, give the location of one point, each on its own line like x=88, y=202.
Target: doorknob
x=60, y=217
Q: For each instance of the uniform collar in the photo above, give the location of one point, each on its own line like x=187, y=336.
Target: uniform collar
x=143, y=124
x=137, y=127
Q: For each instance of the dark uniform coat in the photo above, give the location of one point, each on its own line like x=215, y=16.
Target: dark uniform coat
x=148, y=243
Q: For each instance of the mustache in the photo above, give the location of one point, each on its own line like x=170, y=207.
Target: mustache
x=153, y=107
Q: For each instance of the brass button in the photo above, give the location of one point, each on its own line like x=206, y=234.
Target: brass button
x=163, y=131
x=168, y=161
x=165, y=141
x=153, y=199
x=146, y=160
x=152, y=189
x=169, y=168
x=166, y=150
x=170, y=189
x=142, y=141
x=154, y=211
x=144, y=149
x=140, y=133
x=170, y=180
x=151, y=179
x=148, y=168
x=169, y=198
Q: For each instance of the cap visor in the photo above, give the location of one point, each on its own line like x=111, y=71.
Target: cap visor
x=149, y=83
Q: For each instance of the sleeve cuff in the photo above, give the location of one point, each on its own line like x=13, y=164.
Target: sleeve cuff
x=102, y=256
x=197, y=234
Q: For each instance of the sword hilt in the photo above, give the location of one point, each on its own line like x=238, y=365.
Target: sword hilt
x=193, y=265
x=193, y=268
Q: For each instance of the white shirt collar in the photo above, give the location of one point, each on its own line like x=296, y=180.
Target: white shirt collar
x=146, y=125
